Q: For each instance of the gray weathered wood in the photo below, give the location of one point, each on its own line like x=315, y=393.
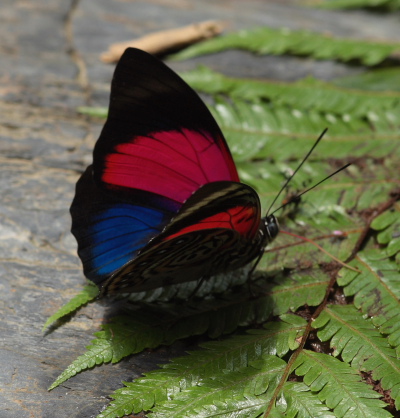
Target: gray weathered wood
x=49, y=66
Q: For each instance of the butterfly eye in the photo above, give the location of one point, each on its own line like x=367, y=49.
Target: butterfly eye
x=271, y=226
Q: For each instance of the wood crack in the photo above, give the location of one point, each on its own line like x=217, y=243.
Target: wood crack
x=82, y=77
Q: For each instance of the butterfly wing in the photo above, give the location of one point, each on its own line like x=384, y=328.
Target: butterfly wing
x=217, y=229
x=159, y=135
x=158, y=146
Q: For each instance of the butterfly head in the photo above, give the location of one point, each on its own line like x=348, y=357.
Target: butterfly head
x=271, y=227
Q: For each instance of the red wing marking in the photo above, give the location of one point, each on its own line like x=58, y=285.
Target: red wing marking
x=238, y=218
x=173, y=164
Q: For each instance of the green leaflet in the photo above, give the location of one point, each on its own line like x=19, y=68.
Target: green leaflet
x=339, y=386
x=359, y=343
x=297, y=401
x=98, y=353
x=88, y=293
x=122, y=337
x=264, y=40
x=306, y=94
x=349, y=4
x=386, y=79
x=388, y=225
x=100, y=112
x=376, y=292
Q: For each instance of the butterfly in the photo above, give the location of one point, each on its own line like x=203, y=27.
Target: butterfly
x=162, y=202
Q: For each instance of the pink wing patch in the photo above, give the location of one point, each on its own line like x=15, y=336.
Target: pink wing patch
x=170, y=163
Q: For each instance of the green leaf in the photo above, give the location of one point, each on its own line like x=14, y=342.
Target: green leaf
x=300, y=402
x=100, y=112
x=99, y=352
x=259, y=378
x=88, y=293
x=376, y=292
x=359, y=343
x=264, y=40
x=231, y=354
x=383, y=79
x=388, y=225
x=304, y=95
x=339, y=386
x=350, y=4
x=122, y=337
x=253, y=130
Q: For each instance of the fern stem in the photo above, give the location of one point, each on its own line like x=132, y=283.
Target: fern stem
x=304, y=339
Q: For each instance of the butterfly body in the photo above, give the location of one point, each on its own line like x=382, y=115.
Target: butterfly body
x=162, y=202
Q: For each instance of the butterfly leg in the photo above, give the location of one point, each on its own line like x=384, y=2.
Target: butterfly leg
x=198, y=286
x=250, y=273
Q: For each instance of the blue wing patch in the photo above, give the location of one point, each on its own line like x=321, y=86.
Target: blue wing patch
x=111, y=232
x=116, y=236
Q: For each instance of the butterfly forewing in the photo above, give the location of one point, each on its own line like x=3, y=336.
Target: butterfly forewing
x=159, y=135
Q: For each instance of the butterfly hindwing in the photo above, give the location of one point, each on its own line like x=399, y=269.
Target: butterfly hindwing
x=226, y=205
x=216, y=230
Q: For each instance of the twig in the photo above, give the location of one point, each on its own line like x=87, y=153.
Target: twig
x=166, y=40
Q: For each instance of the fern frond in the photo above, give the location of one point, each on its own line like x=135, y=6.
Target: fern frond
x=164, y=325
x=352, y=4
x=306, y=94
x=98, y=353
x=258, y=378
x=253, y=130
x=231, y=354
x=339, y=386
x=264, y=40
x=359, y=343
x=123, y=337
x=87, y=294
x=376, y=292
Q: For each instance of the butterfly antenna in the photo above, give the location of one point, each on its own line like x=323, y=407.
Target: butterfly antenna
x=310, y=188
x=295, y=171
